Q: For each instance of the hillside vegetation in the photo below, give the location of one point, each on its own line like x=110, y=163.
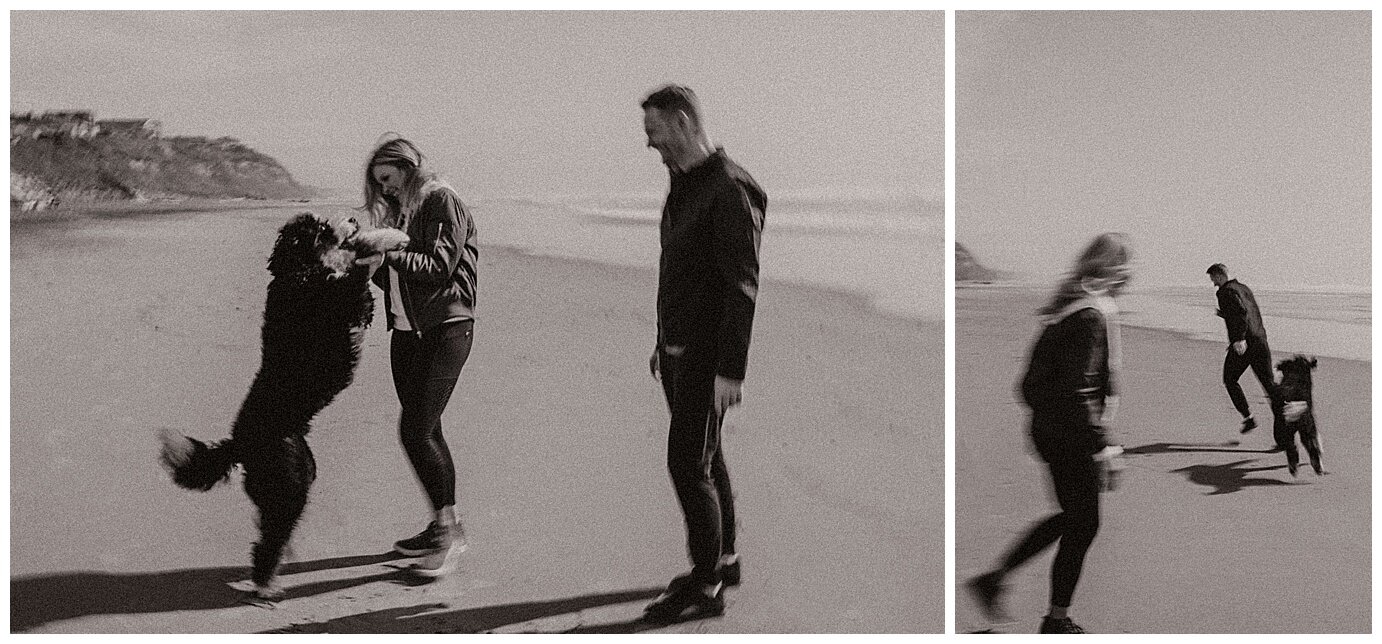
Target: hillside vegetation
x=58, y=169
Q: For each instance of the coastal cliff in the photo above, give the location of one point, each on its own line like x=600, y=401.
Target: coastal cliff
x=968, y=269
x=66, y=159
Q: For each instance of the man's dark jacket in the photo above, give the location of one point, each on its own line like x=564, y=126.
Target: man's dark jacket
x=708, y=277
x=1239, y=311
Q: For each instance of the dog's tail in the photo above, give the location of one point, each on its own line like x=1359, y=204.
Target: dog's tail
x=195, y=465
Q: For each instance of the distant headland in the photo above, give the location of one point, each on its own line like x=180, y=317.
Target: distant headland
x=968, y=269
x=71, y=158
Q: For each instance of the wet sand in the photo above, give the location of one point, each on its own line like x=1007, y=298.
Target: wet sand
x=123, y=324
x=1207, y=533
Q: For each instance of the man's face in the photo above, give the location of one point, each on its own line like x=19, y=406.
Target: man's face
x=664, y=134
x=1218, y=279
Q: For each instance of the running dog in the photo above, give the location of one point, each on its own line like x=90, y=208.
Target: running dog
x=1298, y=412
x=315, y=316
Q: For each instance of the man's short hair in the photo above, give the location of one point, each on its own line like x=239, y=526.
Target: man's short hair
x=1218, y=269
x=673, y=98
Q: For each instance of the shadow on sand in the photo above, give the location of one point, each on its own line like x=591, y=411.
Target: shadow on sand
x=418, y=619
x=1230, y=477
x=41, y=599
x=636, y=625
x=1225, y=478
x=1177, y=448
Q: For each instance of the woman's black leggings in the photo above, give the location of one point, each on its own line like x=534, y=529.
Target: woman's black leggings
x=1077, y=486
x=425, y=370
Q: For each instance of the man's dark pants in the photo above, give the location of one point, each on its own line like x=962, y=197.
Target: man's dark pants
x=1258, y=356
x=696, y=461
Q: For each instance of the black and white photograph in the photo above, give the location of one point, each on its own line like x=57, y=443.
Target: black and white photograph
x=1163, y=322
x=570, y=322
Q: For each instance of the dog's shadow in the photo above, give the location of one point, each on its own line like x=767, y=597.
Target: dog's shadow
x=1225, y=478
x=420, y=619
x=1229, y=477
x=42, y=599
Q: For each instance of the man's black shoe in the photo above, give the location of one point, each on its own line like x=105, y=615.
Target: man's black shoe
x=1276, y=449
x=1248, y=425
x=686, y=600
x=1060, y=626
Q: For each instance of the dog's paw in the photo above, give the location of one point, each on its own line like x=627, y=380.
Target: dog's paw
x=378, y=240
x=269, y=592
x=266, y=596
x=242, y=585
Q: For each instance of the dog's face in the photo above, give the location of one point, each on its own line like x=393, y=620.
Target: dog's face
x=310, y=243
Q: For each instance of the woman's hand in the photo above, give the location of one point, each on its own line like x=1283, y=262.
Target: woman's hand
x=1111, y=464
x=372, y=261
x=1110, y=413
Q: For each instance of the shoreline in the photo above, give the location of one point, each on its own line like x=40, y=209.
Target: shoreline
x=880, y=305
x=1041, y=283
x=1035, y=294
x=840, y=294
x=1278, y=354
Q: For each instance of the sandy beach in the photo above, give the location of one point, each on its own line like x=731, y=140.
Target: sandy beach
x=1207, y=533
x=124, y=324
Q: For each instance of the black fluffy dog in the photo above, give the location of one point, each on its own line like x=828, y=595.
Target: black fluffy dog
x=1298, y=412
x=318, y=306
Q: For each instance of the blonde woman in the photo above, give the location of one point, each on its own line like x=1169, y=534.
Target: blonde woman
x=1071, y=386
x=429, y=295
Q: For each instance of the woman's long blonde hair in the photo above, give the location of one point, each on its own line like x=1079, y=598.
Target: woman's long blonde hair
x=1107, y=256
x=395, y=211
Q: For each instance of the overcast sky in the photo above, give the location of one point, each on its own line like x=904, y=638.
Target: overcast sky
x=1235, y=137
x=513, y=103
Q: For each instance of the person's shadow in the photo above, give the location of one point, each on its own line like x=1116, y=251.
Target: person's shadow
x=41, y=599
x=1229, y=477
x=418, y=619
x=635, y=625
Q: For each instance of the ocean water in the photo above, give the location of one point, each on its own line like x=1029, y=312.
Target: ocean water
x=1327, y=322
x=1334, y=322
x=888, y=250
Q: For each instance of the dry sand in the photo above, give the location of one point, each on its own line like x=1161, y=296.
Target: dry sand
x=120, y=325
x=1204, y=535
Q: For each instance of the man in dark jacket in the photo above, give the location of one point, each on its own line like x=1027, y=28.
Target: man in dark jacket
x=707, y=286
x=1247, y=343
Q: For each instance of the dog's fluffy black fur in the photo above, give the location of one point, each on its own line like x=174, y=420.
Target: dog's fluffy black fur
x=315, y=316
x=1298, y=412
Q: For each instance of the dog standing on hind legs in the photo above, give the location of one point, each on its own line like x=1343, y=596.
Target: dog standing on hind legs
x=1298, y=412
x=315, y=316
